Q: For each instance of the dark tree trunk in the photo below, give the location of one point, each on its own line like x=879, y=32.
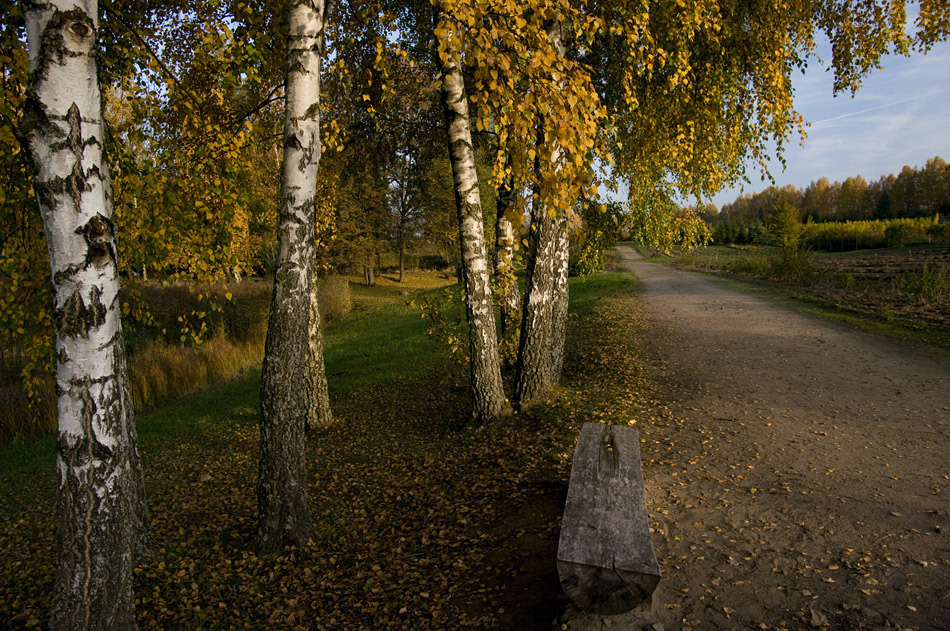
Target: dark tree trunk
x=102, y=524
x=283, y=509
x=402, y=258
x=487, y=386
x=370, y=273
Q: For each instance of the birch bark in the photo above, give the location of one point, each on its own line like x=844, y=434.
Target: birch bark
x=544, y=320
x=534, y=373
x=319, y=413
x=102, y=526
x=283, y=509
x=487, y=386
x=509, y=298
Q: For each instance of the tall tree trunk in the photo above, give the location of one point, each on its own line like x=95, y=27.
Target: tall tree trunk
x=402, y=257
x=561, y=289
x=102, y=526
x=561, y=300
x=283, y=510
x=370, y=272
x=483, y=342
x=509, y=298
x=534, y=374
x=319, y=413
x=544, y=320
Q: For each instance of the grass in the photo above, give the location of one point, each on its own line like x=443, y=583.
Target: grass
x=165, y=362
x=420, y=520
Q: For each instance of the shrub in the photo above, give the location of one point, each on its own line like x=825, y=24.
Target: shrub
x=898, y=235
x=783, y=226
x=796, y=266
x=923, y=283
x=939, y=233
x=790, y=265
x=334, y=297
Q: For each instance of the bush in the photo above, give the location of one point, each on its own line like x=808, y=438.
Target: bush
x=334, y=297
x=790, y=265
x=898, y=235
x=796, y=266
x=923, y=283
x=939, y=234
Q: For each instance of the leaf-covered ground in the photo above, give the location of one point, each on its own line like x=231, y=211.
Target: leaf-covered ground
x=421, y=521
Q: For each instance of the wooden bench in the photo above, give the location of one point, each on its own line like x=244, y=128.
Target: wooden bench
x=605, y=556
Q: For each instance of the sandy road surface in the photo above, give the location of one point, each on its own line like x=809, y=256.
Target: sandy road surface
x=796, y=470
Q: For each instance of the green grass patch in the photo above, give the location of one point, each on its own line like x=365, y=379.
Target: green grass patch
x=411, y=504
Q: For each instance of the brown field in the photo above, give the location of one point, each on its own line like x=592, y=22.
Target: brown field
x=908, y=286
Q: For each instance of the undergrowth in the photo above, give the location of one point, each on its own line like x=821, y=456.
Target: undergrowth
x=421, y=521
x=183, y=340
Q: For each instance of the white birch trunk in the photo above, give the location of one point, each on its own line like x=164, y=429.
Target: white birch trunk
x=534, y=373
x=509, y=298
x=101, y=517
x=283, y=510
x=544, y=320
x=487, y=386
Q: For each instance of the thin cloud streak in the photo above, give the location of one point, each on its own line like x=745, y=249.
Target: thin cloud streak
x=877, y=107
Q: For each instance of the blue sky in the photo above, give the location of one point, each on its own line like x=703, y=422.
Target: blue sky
x=901, y=115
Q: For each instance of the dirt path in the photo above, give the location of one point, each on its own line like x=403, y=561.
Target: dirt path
x=796, y=470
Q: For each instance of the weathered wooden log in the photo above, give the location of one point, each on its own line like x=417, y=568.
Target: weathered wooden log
x=605, y=556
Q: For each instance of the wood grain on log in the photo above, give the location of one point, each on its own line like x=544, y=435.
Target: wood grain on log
x=605, y=558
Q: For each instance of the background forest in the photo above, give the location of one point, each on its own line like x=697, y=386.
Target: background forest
x=915, y=193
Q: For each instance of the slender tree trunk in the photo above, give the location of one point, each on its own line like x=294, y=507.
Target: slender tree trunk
x=402, y=257
x=544, y=321
x=561, y=300
x=319, y=413
x=483, y=342
x=102, y=525
x=283, y=510
x=509, y=298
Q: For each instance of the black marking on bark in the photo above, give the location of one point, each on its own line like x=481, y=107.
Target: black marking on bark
x=291, y=141
x=37, y=120
x=65, y=274
x=76, y=181
x=53, y=47
x=313, y=112
x=460, y=145
x=76, y=319
x=99, y=233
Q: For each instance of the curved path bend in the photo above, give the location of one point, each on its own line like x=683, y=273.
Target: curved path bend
x=796, y=470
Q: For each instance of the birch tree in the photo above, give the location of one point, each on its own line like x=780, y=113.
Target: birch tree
x=283, y=510
x=543, y=325
x=507, y=293
x=101, y=518
x=483, y=341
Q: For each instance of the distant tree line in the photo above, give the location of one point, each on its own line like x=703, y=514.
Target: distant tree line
x=914, y=192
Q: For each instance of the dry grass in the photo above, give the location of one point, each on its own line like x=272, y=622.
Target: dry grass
x=335, y=297
x=168, y=372
x=164, y=361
